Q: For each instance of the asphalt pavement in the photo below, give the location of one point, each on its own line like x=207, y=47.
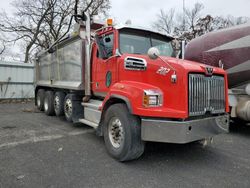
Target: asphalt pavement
x=40, y=151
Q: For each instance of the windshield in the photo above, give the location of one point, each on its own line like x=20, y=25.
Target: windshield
x=138, y=42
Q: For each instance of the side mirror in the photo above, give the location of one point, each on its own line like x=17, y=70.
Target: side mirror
x=153, y=53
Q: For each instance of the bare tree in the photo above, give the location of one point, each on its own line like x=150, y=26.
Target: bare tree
x=192, y=16
x=56, y=23
x=38, y=23
x=2, y=44
x=27, y=22
x=195, y=23
x=94, y=7
x=2, y=48
x=172, y=23
x=165, y=21
x=221, y=22
x=204, y=25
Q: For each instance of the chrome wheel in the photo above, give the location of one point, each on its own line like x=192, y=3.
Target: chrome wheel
x=68, y=107
x=116, y=132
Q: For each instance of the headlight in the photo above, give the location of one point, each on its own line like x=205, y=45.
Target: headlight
x=152, y=98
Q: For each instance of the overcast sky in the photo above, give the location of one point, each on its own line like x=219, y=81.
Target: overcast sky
x=143, y=12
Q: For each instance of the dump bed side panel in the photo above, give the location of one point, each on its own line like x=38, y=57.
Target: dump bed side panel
x=64, y=67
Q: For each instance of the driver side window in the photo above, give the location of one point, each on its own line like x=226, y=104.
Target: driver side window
x=106, y=45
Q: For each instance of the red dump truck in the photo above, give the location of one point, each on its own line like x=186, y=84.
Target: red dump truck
x=228, y=48
x=124, y=82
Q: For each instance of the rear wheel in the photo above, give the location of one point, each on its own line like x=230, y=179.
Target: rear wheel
x=49, y=103
x=122, y=133
x=68, y=108
x=40, y=99
x=59, y=103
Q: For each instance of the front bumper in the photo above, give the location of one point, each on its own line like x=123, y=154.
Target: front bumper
x=183, y=131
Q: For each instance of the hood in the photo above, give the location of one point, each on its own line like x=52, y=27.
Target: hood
x=181, y=66
x=158, y=74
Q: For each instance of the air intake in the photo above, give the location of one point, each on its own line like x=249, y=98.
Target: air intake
x=133, y=63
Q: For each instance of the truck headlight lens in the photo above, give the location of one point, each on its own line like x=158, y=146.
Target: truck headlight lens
x=152, y=98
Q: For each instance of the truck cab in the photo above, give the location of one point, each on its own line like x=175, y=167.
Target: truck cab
x=138, y=92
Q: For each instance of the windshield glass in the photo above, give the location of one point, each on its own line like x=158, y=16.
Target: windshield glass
x=138, y=42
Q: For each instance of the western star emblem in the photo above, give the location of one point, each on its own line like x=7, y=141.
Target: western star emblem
x=163, y=71
x=209, y=70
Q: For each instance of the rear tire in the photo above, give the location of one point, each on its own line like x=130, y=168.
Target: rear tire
x=68, y=108
x=40, y=99
x=122, y=133
x=49, y=103
x=59, y=103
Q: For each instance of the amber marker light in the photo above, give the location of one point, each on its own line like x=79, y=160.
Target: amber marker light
x=109, y=22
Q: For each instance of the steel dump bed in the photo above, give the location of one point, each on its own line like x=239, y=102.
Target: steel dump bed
x=64, y=67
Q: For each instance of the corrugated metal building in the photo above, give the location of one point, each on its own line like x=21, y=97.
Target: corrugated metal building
x=16, y=80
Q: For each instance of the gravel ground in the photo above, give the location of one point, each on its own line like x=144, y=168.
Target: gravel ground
x=41, y=151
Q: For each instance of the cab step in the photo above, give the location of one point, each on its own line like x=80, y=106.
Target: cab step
x=89, y=123
x=95, y=104
x=92, y=113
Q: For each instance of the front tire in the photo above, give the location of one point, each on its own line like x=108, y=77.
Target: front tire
x=122, y=133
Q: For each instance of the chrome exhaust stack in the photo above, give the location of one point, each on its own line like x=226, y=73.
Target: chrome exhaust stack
x=85, y=34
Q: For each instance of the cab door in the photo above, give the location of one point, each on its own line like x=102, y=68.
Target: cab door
x=104, y=65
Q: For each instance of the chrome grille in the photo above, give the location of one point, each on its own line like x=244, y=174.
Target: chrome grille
x=206, y=94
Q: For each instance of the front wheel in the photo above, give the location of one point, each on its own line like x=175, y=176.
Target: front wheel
x=122, y=133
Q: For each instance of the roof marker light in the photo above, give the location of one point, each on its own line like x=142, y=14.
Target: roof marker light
x=109, y=22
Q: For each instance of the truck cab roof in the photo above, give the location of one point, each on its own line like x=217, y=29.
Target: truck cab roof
x=136, y=27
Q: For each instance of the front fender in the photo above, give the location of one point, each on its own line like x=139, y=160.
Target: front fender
x=132, y=93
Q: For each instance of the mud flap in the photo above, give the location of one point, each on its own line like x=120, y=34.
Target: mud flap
x=77, y=109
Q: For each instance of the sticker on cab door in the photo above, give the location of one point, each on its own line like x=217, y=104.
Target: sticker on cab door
x=108, y=78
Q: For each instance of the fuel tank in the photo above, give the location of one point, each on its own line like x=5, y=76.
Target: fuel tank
x=229, y=48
